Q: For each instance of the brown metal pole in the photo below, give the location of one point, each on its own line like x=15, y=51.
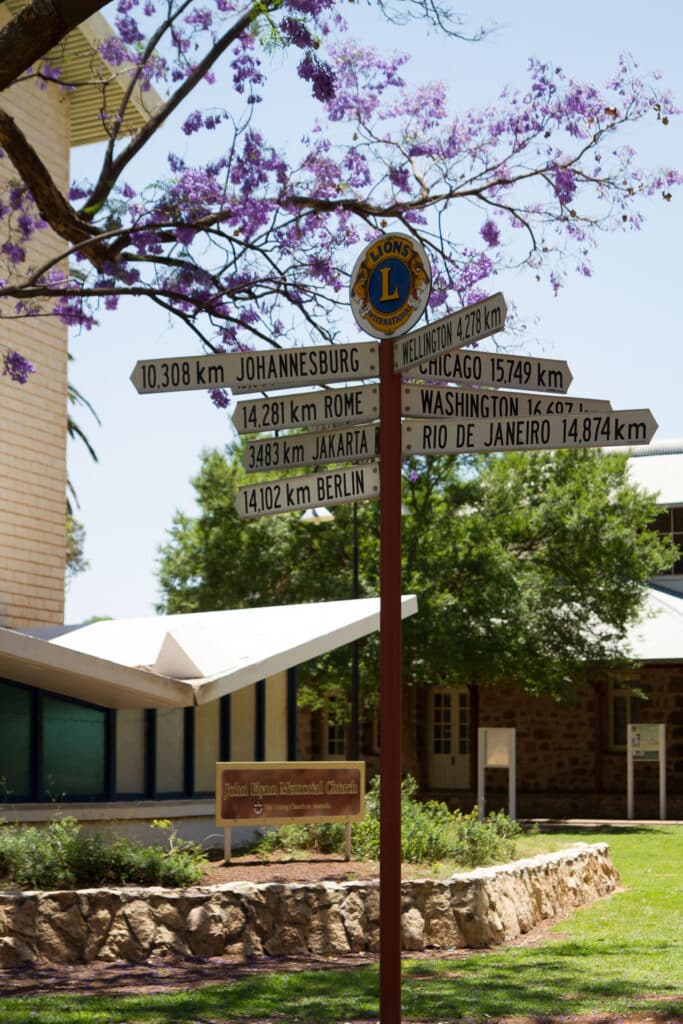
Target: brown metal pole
x=390, y=688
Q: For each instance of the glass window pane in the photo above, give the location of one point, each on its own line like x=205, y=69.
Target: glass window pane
x=130, y=752
x=619, y=716
x=74, y=737
x=15, y=743
x=170, y=761
x=207, y=746
x=677, y=516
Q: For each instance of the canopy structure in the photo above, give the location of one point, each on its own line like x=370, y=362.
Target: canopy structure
x=182, y=660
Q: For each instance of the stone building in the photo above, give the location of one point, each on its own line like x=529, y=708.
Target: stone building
x=571, y=757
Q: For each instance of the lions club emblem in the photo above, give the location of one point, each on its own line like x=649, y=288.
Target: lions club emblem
x=390, y=285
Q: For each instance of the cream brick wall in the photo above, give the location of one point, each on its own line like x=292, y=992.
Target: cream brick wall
x=33, y=415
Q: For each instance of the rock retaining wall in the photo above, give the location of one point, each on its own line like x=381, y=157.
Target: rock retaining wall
x=485, y=907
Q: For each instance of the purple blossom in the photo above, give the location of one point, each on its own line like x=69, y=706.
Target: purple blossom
x=319, y=74
x=296, y=33
x=565, y=185
x=490, y=233
x=193, y=123
x=17, y=367
x=400, y=178
x=15, y=252
x=219, y=397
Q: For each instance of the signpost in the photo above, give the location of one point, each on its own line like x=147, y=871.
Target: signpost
x=495, y=370
x=466, y=327
x=296, y=493
x=350, y=444
x=427, y=402
x=585, y=430
x=390, y=287
x=245, y=372
x=308, y=409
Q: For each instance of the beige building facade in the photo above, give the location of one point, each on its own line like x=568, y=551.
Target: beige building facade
x=33, y=415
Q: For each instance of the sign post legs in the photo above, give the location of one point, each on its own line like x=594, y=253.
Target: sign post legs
x=390, y=688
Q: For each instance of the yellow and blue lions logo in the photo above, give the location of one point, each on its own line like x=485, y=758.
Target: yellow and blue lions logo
x=390, y=285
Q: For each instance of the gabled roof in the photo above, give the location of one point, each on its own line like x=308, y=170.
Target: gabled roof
x=658, y=468
x=78, y=57
x=180, y=660
x=659, y=637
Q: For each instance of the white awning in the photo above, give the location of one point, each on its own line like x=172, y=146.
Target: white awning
x=180, y=660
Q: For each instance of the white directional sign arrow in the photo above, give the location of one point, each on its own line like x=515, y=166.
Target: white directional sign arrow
x=585, y=430
x=485, y=403
x=245, y=372
x=296, y=493
x=308, y=409
x=350, y=444
x=495, y=370
x=467, y=326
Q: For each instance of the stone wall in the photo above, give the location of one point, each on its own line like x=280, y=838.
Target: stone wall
x=485, y=907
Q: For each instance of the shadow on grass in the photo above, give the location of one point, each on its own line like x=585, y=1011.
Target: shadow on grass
x=547, y=985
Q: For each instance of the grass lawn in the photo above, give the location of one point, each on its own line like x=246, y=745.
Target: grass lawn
x=623, y=954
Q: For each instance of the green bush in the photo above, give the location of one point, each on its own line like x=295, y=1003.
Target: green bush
x=429, y=833
x=62, y=855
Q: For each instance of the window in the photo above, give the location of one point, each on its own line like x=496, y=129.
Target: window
x=74, y=745
x=625, y=707
x=15, y=743
x=669, y=523
x=463, y=723
x=442, y=723
x=336, y=730
x=51, y=748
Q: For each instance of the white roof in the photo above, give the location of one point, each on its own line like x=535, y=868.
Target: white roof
x=180, y=660
x=658, y=468
x=659, y=637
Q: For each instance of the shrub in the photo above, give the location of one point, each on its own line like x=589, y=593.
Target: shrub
x=62, y=855
x=429, y=833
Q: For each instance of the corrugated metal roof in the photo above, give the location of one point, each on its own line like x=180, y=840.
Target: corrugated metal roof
x=78, y=58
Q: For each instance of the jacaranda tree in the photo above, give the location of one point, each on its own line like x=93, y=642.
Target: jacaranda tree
x=251, y=247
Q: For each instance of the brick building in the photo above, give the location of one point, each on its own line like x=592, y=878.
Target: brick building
x=571, y=758
x=33, y=417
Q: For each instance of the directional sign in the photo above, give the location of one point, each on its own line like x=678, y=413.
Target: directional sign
x=308, y=409
x=244, y=372
x=350, y=444
x=586, y=430
x=296, y=493
x=481, y=403
x=495, y=370
x=465, y=327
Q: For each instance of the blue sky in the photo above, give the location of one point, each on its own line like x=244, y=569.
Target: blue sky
x=619, y=330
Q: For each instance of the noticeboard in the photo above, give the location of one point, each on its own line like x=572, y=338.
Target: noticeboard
x=280, y=792
x=645, y=741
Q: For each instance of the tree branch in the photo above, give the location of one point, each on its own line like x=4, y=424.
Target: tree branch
x=40, y=26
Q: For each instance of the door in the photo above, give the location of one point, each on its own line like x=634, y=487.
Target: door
x=449, y=739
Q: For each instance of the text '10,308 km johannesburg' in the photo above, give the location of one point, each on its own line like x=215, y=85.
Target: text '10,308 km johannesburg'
x=245, y=372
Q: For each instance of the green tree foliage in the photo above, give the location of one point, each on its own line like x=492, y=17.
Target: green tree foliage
x=527, y=566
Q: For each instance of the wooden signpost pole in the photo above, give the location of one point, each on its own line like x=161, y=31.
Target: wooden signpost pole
x=390, y=688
